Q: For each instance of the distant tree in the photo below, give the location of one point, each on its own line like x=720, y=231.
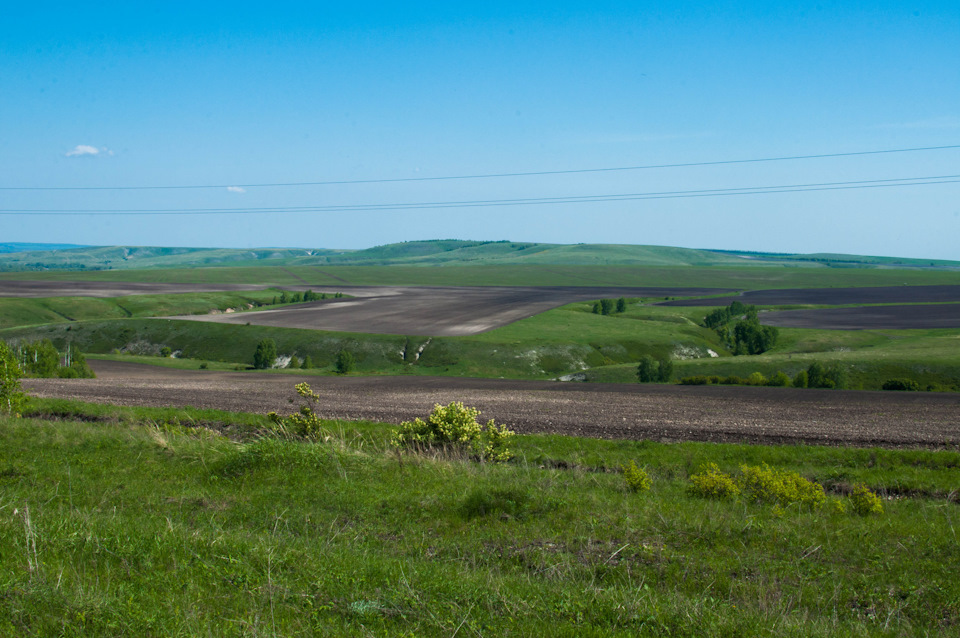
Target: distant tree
x=621, y=305
x=837, y=377
x=265, y=354
x=165, y=351
x=309, y=296
x=323, y=295
x=275, y=301
x=648, y=370
x=307, y=363
x=816, y=375
x=41, y=359
x=664, y=370
x=752, y=338
x=283, y=297
x=296, y=298
x=606, y=306
x=596, y=307
x=344, y=362
x=294, y=362
x=779, y=380
x=11, y=398
x=800, y=380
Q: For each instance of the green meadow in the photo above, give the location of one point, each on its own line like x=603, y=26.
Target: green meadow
x=123, y=521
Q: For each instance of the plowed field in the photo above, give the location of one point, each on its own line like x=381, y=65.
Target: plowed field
x=621, y=411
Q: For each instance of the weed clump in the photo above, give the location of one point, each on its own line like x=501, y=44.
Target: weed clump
x=864, y=502
x=765, y=484
x=454, y=428
x=304, y=423
x=710, y=482
x=636, y=478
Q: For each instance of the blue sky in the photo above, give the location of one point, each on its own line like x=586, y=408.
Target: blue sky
x=133, y=94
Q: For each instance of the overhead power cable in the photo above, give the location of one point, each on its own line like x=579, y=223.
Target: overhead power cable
x=573, y=199
x=482, y=175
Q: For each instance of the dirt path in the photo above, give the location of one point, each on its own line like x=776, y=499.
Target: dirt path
x=614, y=411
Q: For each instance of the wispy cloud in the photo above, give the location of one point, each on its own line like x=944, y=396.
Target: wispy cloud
x=85, y=150
x=236, y=189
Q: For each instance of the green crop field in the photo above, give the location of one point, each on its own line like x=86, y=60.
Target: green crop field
x=122, y=521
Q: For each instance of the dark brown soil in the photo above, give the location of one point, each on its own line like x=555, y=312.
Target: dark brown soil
x=834, y=296
x=441, y=311
x=928, y=316
x=614, y=411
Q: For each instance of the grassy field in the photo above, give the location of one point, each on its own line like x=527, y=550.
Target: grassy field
x=121, y=521
x=562, y=341
x=18, y=311
x=744, y=277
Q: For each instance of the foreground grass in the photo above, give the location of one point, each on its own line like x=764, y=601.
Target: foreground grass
x=136, y=522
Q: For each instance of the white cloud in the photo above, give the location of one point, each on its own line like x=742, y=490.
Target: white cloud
x=236, y=189
x=85, y=150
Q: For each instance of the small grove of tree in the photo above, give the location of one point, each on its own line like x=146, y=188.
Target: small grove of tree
x=747, y=335
x=834, y=376
x=651, y=370
x=265, y=354
x=42, y=359
x=609, y=306
x=298, y=297
x=11, y=398
x=344, y=362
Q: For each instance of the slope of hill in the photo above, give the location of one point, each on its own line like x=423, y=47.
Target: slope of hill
x=445, y=252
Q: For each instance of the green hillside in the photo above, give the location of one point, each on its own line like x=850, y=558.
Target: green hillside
x=446, y=252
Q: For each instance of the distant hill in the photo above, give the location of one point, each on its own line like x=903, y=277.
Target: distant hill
x=19, y=247
x=444, y=252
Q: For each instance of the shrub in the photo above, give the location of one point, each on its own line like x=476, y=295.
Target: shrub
x=648, y=369
x=779, y=380
x=454, y=428
x=265, y=354
x=816, y=375
x=765, y=484
x=637, y=479
x=733, y=380
x=664, y=370
x=307, y=363
x=800, y=379
x=294, y=362
x=710, y=482
x=11, y=398
x=344, y=362
x=695, y=380
x=756, y=378
x=864, y=502
x=901, y=385
x=303, y=423
x=165, y=351
x=606, y=306
x=621, y=305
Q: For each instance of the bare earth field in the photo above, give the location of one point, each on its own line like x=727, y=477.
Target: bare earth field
x=833, y=296
x=927, y=316
x=613, y=411
x=441, y=311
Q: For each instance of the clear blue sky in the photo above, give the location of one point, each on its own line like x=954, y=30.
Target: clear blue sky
x=131, y=94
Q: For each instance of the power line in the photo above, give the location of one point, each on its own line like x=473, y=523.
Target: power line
x=573, y=199
x=482, y=175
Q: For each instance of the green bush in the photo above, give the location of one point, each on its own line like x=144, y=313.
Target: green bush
x=864, y=502
x=710, y=482
x=344, y=362
x=698, y=379
x=304, y=423
x=637, y=479
x=765, y=484
x=454, y=428
x=779, y=380
x=756, y=378
x=265, y=354
x=901, y=385
x=800, y=380
x=165, y=351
